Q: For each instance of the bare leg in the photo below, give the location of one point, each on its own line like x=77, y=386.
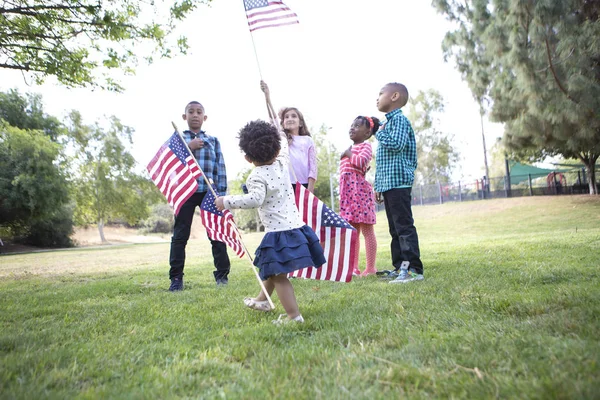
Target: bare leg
x=269, y=285
x=285, y=292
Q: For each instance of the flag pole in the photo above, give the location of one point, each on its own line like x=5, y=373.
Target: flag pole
x=262, y=285
x=256, y=55
x=254, y=46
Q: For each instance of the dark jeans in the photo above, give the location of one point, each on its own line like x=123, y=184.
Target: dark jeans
x=405, y=241
x=181, y=234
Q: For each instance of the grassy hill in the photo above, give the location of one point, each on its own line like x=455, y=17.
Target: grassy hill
x=509, y=309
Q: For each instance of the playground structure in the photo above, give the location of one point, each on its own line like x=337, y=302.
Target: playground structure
x=556, y=181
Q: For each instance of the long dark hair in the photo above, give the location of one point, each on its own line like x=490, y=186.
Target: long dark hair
x=303, y=131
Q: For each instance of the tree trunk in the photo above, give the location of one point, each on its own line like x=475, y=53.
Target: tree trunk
x=592, y=177
x=101, y=230
x=590, y=166
x=485, y=160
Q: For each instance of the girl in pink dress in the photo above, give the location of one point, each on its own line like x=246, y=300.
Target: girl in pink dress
x=357, y=198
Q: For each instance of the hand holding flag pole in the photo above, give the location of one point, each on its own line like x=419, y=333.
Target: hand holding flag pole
x=229, y=221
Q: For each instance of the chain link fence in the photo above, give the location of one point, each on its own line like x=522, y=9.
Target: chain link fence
x=555, y=183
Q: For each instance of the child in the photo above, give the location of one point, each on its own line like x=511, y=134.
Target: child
x=289, y=244
x=396, y=161
x=303, y=157
x=207, y=151
x=357, y=198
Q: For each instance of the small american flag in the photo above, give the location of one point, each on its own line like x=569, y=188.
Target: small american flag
x=220, y=225
x=268, y=13
x=174, y=171
x=337, y=237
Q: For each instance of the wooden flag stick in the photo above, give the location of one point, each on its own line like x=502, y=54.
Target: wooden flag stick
x=262, y=285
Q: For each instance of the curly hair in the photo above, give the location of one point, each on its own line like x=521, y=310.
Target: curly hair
x=259, y=140
x=365, y=122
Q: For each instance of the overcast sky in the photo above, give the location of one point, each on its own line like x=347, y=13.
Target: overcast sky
x=331, y=66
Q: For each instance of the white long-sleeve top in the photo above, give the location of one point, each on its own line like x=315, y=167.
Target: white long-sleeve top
x=270, y=190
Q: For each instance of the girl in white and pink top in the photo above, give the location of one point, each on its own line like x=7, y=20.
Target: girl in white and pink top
x=303, y=157
x=357, y=198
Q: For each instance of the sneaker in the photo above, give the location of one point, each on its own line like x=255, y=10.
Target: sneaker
x=283, y=319
x=388, y=274
x=176, y=285
x=222, y=281
x=407, y=276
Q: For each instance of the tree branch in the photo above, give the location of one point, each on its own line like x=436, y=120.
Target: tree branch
x=19, y=67
x=35, y=10
x=558, y=83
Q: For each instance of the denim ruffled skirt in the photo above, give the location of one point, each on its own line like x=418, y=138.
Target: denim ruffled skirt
x=283, y=252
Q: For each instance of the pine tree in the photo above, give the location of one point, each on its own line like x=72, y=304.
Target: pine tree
x=543, y=71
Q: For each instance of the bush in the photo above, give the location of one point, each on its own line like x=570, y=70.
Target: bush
x=53, y=231
x=160, y=221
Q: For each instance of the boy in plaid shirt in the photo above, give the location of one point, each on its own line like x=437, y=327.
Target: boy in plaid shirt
x=207, y=151
x=396, y=161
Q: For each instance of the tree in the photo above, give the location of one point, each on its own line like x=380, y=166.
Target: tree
x=105, y=186
x=244, y=218
x=70, y=39
x=33, y=190
x=435, y=152
x=326, y=187
x=465, y=47
x=27, y=112
x=544, y=63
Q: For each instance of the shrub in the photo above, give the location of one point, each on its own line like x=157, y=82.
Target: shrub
x=53, y=231
x=160, y=221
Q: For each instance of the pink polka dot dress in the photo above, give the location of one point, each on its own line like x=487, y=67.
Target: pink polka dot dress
x=357, y=198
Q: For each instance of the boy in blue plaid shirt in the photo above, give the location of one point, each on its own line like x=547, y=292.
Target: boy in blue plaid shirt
x=396, y=161
x=207, y=151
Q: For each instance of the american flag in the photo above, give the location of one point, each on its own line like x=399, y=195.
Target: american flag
x=337, y=237
x=220, y=225
x=174, y=171
x=268, y=13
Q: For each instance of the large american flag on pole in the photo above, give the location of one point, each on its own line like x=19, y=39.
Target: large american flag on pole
x=219, y=225
x=268, y=13
x=174, y=171
x=336, y=235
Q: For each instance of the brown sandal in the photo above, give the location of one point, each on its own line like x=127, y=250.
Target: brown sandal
x=257, y=305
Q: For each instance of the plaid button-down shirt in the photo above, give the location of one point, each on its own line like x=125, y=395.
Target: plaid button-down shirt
x=396, y=156
x=210, y=158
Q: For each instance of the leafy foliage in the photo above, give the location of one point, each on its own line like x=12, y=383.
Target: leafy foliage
x=160, y=219
x=328, y=158
x=27, y=112
x=245, y=219
x=539, y=63
x=435, y=152
x=70, y=39
x=105, y=185
x=33, y=191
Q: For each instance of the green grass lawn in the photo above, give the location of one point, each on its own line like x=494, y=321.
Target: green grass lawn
x=509, y=308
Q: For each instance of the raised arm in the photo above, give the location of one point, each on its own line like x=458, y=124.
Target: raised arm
x=270, y=109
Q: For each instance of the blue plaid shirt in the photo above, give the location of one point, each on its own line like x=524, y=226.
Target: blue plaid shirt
x=210, y=158
x=396, y=156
